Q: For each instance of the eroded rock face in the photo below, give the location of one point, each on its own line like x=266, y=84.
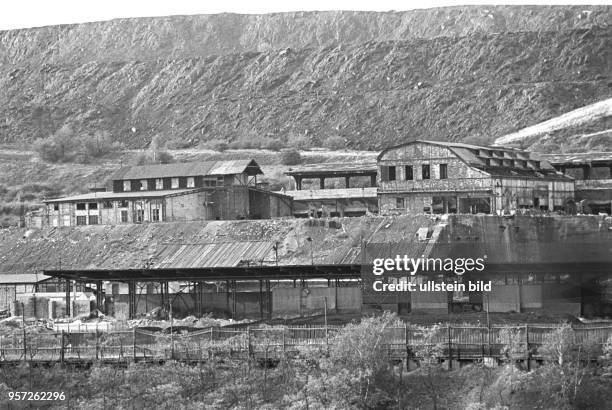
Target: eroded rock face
x=371, y=78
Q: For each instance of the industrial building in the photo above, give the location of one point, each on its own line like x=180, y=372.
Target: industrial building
x=216, y=190
x=356, y=199
x=442, y=177
x=593, y=174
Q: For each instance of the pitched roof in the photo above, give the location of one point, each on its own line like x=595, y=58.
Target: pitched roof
x=482, y=157
x=183, y=169
x=22, y=278
x=108, y=195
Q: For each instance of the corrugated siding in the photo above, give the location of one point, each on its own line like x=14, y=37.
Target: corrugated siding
x=228, y=254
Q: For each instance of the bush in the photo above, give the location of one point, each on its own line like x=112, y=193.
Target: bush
x=272, y=144
x=59, y=147
x=334, y=143
x=99, y=144
x=217, y=145
x=164, y=157
x=291, y=157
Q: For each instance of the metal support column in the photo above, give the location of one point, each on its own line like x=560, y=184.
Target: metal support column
x=261, y=301
x=132, y=299
x=269, y=295
x=99, y=296
x=68, y=302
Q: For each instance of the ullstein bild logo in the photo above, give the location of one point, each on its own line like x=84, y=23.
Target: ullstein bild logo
x=412, y=266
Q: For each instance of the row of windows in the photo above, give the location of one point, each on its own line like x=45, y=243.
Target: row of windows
x=389, y=173
x=138, y=217
x=175, y=183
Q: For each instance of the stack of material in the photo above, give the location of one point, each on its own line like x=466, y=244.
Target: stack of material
x=31, y=307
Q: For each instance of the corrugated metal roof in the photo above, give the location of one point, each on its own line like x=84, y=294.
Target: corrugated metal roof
x=21, y=278
x=199, y=168
x=95, y=196
x=578, y=158
x=228, y=254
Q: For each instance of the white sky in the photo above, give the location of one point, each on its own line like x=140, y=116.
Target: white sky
x=34, y=13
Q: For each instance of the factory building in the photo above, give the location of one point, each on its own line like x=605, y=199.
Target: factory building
x=593, y=174
x=442, y=177
x=216, y=190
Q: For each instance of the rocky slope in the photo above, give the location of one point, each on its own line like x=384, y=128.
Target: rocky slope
x=371, y=78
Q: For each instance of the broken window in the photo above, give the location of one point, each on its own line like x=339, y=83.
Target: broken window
x=81, y=220
x=409, y=173
x=127, y=186
x=384, y=173
x=81, y=207
x=443, y=171
x=107, y=204
x=56, y=207
x=159, y=183
x=138, y=216
x=93, y=219
x=93, y=205
x=425, y=171
x=124, y=216
x=155, y=215
x=399, y=203
x=144, y=185
x=123, y=204
x=174, y=183
x=190, y=182
x=391, y=173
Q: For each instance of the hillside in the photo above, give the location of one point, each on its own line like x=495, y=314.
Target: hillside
x=373, y=79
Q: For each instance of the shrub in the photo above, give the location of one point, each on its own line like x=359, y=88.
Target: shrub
x=334, y=143
x=59, y=147
x=291, y=157
x=272, y=144
x=99, y=144
x=217, y=145
x=164, y=157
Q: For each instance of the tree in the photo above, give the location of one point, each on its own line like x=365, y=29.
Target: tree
x=335, y=143
x=59, y=147
x=429, y=353
x=291, y=157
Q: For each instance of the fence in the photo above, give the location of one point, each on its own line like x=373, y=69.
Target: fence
x=460, y=342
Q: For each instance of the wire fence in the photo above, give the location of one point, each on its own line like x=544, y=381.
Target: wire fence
x=460, y=342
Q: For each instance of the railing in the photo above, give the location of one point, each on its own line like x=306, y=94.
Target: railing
x=461, y=342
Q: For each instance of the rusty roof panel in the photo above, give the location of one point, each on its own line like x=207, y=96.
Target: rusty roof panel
x=225, y=254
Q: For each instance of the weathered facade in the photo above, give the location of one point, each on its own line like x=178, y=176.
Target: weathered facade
x=438, y=177
x=593, y=174
x=219, y=190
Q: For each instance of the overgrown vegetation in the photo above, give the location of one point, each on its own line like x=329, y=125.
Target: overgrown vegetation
x=67, y=146
x=352, y=372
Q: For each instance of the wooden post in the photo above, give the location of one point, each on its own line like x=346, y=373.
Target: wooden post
x=134, y=343
x=97, y=344
x=249, y=341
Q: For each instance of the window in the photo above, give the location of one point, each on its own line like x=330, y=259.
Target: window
x=174, y=183
x=159, y=183
x=81, y=207
x=107, y=204
x=93, y=219
x=155, y=215
x=190, y=182
x=127, y=186
x=220, y=181
x=56, y=207
x=138, y=216
x=425, y=169
x=399, y=203
x=123, y=204
x=144, y=185
x=124, y=216
x=409, y=173
x=93, y=205
x=443, y=171
x=81, y=220
x=391, y=173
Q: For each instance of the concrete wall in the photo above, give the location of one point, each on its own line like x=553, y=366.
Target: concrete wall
x=432, y=302
x=305, y=301
x=503, y=298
